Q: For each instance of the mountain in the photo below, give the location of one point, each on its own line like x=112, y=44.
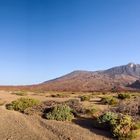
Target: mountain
x=119, y=77
x=130, y=69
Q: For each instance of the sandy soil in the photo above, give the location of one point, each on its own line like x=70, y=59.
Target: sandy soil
x=17, y=126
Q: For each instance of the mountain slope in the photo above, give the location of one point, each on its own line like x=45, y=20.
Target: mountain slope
x=119, y=77
x=135, y=85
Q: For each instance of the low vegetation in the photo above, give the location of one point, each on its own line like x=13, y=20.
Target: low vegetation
x=60, y=95
x=85, y=98
x=60, y=113
x=121, y=126
x=123, y=96
x=93, y=111
x=76, y=106
x=130, y=107
x=117, y=113
x=22, y=103
x=109, y=100
x=136, y=125
x=20, y=93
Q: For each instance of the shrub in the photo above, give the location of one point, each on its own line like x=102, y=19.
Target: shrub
x=22, y=104
x=107, y=117
x=92, y=111
x=42, y=108
x=60, y=113
x=119, y=125
x=136, y=125
x=123, y=96
x=103, y=121
x=129, y=107
x=114, y=89
x=85, y=98
x=76, y=106
x=109, y=100
x=20, y=93
x=60, y=95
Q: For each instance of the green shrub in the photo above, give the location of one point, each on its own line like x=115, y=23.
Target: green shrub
x=103, y=121
x=119, y=125
x=109, y=100
x=20, y=93
x=60, y=113
x=123, y=96
x=107, y=117
x=85, y=98
x=136, y=125
x=22, y=104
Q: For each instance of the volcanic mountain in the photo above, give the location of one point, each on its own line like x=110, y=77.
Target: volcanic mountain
x=119, y=77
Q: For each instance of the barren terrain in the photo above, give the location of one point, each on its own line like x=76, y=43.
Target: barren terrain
x=18, y=126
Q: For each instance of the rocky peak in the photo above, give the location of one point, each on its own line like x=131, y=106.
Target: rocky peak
x=131, y=65
x=131, y=69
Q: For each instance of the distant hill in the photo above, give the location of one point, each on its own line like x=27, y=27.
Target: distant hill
x=135, y=85
x=117, y=78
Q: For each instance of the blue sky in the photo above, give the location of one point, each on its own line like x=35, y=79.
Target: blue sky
x=44, y=39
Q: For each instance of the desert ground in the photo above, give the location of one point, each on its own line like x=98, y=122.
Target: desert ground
x=15, y=125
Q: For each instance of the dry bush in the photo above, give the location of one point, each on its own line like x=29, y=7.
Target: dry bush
x=41, y=108
x=109, y=100
x=85, y=98
x=46, y=106
x=124, y=96
x=93, y=111
x=60, y=95
x=130, y=107
x=76, y=106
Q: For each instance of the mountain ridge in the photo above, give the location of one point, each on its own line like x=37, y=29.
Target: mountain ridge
x=81, y=80
x=120, y=77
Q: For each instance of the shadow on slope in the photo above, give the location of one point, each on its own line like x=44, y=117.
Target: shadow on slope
x=88, y=123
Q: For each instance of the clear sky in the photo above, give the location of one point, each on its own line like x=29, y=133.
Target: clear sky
x=44, y=39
